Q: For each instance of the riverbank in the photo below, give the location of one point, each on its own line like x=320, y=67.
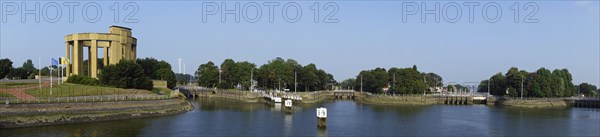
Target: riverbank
x=240, y=96
x=535, y=103
x=397, y=100
x=320, y=96
x=26, y=115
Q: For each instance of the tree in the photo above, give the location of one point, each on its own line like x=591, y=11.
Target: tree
x=483, y=86
x=541, y=83
x=125, y=74
x=159, y=70
x=407, y=81
x=5, y=67
x=28, y=65
x=276, y=73
x=432, y=80
x=348, y=83
x=457, y=88
x=30, y=70
x=18, y=73
x=498, y=85
x=208, y=75
x=46, y=71
x=373, y=80
x=309, y=78
x=514, y=79
x=588, y=89
x=242, y=73
x=228, y=74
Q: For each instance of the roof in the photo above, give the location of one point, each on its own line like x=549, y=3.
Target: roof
x=120, y=27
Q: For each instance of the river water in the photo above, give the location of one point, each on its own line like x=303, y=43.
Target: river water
x=345, y=118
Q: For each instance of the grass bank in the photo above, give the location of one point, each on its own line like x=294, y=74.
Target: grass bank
x=69, y=90
x=397, y=100
x=533, y=103
x=25, y=115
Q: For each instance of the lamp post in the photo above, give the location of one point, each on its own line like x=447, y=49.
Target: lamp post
x=521, y=88
x=361, y=83
x=295, y=81
x=251, y=78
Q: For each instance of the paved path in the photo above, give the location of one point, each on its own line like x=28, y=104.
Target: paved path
x=20, y=92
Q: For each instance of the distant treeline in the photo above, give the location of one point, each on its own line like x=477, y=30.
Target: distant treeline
x=541, y=83
x=276, y=74
x=394, y=81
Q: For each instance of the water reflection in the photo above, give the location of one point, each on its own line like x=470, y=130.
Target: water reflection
x=288, y=124
x=345, y=118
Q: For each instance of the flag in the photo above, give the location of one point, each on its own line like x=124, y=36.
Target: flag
x=54, y=62
x=60, y=60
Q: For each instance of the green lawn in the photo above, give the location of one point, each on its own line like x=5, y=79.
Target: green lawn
x=6, y=95
x=16, y=85
x=69, y=90
x=165, y=91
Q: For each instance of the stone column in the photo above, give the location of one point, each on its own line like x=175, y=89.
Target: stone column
x=115, y=50
x=105, y=59
x=134, y=52
x=77, y=58
x=68, y=58
x=94, y=59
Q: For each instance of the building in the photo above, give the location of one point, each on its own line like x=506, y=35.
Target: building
x=118, y=44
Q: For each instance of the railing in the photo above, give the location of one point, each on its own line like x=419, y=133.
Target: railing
x=32, y=93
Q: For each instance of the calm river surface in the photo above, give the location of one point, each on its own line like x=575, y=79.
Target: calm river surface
x=345, y=118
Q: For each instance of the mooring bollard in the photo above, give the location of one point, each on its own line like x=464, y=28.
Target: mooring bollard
x=7, y=103
x=321, y=117
x=288, y=106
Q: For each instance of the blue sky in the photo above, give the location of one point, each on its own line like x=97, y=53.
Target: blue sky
x=368, y=34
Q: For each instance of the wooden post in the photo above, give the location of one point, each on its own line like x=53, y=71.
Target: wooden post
x=321, y=117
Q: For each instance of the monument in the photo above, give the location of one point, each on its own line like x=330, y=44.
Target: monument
x=117, y=43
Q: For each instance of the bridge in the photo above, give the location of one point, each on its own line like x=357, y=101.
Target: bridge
x=341, y=94
x=585, y=102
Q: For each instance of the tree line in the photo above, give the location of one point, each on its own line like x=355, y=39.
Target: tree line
x=541, y=83
x=278, y=74
x=394, y=81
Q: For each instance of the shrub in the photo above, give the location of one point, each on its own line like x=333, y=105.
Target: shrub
x=125, y=74
x=75, y=79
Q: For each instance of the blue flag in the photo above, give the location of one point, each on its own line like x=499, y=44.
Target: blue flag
x=54, y=62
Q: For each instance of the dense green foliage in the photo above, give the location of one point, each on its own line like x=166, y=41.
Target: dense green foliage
x=5, y=67
x=125, y=74
x=348, y=83
x=588, y=89
x=457, y=88
x=208, y=75
x=86, y=66
x=160, y=70
x=46, y=71
x=184, y=78
x=85, y=80
x=542, y=83
x=398, y=80
x=373, y=80
x=27, y=71
x=273, y=75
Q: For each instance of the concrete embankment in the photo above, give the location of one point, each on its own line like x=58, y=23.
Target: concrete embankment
x=25, y=115
x=397, y=100
x=533, y=103
x=314, y=97
x=232, y=96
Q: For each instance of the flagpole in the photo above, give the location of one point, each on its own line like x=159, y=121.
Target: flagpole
x=50, y=79
x=40, y=73
x=61, y=73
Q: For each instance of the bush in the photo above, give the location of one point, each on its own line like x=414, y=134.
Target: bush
x=75, y=79
x=125, y=74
